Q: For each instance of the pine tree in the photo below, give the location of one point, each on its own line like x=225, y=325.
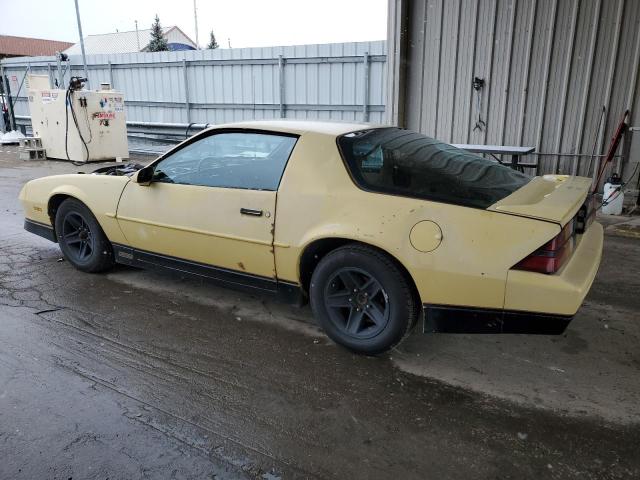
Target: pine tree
x=158, y=43
x=212, y=41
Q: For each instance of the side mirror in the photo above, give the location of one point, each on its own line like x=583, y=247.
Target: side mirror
x=144, y=176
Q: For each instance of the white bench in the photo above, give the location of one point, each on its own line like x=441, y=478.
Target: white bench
x=514, y=152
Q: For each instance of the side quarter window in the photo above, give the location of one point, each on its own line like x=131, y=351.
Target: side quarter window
x=246, y=160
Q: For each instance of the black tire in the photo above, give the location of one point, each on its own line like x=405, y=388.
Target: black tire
x=373, y=319
x=82, y=241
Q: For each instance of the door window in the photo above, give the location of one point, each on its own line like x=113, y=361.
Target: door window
x=252, y=161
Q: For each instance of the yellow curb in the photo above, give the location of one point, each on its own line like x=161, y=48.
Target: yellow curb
x=629, y=231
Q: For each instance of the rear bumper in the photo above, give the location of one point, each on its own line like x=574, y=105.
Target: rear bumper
x=450, y=319
x=561, y=293
x=535, y=303
x=45, y=231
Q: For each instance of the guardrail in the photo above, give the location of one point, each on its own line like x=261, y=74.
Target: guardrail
x=150, y=138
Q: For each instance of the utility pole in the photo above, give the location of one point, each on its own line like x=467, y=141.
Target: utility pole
x=84, y=57
x=195, y=18
x=137, y=35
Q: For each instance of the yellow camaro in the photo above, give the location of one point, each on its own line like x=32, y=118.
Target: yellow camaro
x=377, y=226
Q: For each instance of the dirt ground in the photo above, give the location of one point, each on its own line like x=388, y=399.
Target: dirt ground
x=137, y=374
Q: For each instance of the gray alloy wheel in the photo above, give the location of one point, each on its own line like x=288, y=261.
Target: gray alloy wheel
x=81, y=239
x=362, y=299
x=356, y=303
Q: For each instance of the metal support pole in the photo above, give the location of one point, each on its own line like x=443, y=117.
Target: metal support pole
x=623, y=159
x=195, y=19
x=186, y=90
x=49, y=73
x=365, y=90
x=111, y=76
x=281, y=62
x=2, y=97
x=7, y=91
x=60, y=71
x=84, y=56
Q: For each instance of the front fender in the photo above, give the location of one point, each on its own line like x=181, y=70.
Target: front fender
x=100, y=193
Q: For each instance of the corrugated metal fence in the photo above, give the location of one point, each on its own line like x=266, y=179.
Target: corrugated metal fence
x=341, y=81
x=549, y=67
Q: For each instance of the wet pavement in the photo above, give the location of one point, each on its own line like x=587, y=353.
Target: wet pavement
x=138, y=374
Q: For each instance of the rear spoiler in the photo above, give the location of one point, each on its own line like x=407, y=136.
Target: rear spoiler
x=552, y=198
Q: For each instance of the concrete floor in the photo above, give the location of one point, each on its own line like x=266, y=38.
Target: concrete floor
x=136, y=374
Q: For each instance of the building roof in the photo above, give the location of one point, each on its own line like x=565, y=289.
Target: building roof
x=123, y=42
x=11, y=46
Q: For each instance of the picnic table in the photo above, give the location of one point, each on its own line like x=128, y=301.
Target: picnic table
x=514, y=152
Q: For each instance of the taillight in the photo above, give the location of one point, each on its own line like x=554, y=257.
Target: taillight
x=551, y=256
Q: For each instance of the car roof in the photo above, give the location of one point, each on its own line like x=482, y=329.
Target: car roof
x=301, y=127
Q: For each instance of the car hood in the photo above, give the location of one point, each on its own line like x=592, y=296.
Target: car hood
x=554, y=198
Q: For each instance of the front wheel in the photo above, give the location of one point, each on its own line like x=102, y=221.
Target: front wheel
x=81, y=239
x=362, y=299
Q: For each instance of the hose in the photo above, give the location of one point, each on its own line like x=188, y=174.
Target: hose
x=75, y=83
x=186, y=133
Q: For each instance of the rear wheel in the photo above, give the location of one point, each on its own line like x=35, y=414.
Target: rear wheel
x=81, y=239
x=362, y=299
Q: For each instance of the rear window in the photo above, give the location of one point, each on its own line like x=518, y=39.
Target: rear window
x=406, y=163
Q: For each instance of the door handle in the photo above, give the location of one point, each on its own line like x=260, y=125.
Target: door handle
x=251, y=211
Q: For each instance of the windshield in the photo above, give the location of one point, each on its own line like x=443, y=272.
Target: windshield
x=402, y=162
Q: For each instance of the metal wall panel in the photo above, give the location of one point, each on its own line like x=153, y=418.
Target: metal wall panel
x=330, y=81
x=549, y=65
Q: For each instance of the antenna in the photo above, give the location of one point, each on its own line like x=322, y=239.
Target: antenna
x=137, y=35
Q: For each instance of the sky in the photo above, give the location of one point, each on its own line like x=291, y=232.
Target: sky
x=247, y=23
